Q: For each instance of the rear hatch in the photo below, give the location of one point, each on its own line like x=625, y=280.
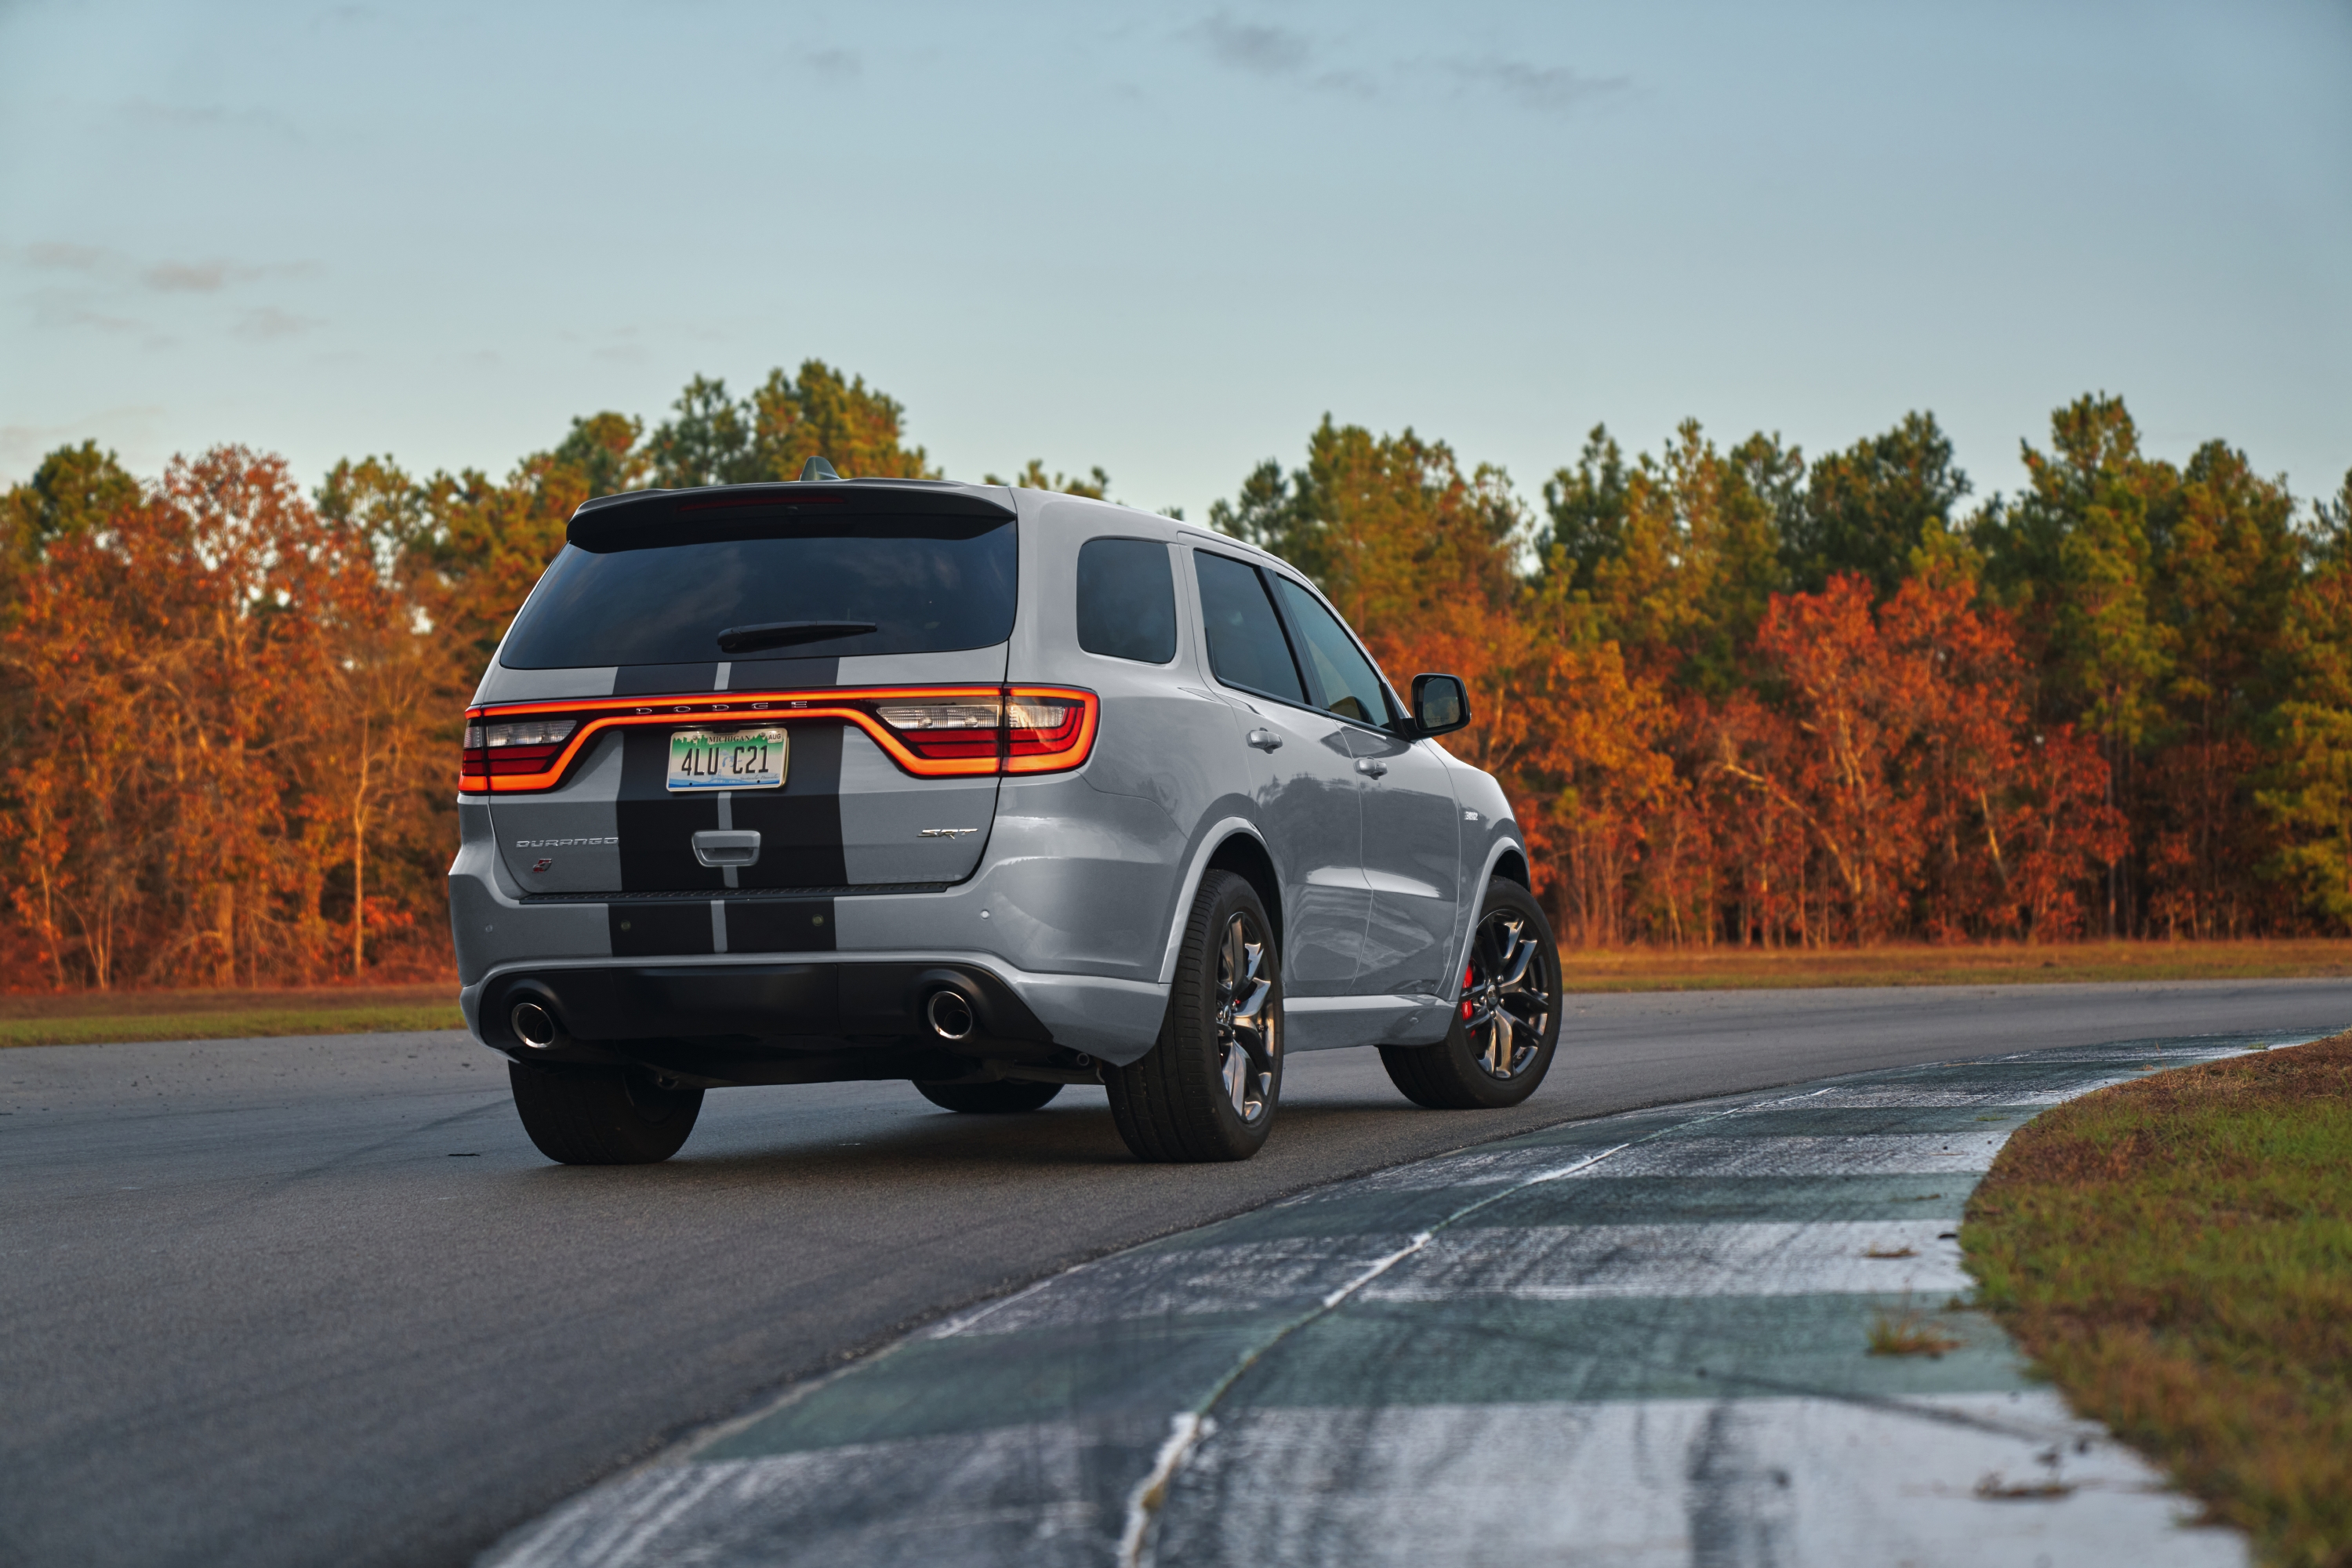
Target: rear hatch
x=806, y=694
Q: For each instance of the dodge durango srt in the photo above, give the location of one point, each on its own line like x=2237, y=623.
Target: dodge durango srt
x=989, y=790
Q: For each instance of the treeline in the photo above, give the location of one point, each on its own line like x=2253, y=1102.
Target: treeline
x=1743, y=698
x=1740, y=697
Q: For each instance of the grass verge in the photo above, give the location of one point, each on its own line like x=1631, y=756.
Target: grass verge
x=1921, y=963
x=2176, y=1254
x=89, y=1017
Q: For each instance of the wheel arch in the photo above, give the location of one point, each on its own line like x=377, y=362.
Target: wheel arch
x=1230, y=845
x=1506, y=858
x=1242, y=855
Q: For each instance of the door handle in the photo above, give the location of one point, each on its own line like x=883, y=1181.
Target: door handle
x=1372, y=767
x=1265, y=740
x=724, y=846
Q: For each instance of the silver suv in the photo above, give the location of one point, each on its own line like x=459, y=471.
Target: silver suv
x=992, y=790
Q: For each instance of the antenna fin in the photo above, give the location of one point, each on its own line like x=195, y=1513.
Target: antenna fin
x=817, y=468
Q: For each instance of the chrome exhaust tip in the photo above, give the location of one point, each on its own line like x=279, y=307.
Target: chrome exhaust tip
x=534, y=1025
x=949, y=1014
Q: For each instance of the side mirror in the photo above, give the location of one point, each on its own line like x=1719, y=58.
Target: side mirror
x=1440, y=704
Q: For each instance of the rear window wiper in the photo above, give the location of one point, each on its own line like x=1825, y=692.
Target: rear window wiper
x=777, y=634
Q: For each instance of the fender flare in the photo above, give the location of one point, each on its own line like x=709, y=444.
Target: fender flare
x=1194, y=869
x=1505, y=844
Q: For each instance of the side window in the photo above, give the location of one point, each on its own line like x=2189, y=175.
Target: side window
x=1344, y=678
x=1246, y=647
x=1127, y=600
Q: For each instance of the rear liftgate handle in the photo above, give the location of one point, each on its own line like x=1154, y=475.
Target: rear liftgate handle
x=726, y=847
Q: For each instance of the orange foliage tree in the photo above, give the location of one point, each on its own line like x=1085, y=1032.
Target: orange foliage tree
x=1735, y=696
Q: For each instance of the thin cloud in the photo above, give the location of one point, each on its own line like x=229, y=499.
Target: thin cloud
x=835, y=64
x=100, y=321
x=1548, y=89
x=65, y=257
x=212, y=277
x=1254, y=46
x=1353, y=83
x=22, y=446
x=269, y=324
x=210, y=116
x=194, y=277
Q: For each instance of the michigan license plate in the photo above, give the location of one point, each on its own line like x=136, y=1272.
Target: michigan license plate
x=729, y=759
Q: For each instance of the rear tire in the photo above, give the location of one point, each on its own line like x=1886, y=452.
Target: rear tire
x=620, y=1116
x=1208, y=1087
x=999, y=1099
x=1499, y=1053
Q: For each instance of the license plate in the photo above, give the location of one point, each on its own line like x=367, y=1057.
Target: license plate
x=729, y=759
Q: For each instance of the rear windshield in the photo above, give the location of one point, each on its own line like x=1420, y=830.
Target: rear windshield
x=926, y=584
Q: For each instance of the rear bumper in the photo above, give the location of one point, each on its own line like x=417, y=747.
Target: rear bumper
x=762, y=1020
x=834, y=973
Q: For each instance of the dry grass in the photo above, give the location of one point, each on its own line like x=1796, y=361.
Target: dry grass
x=86, y=1017
x=1910, y=1333
x=2176, y=1253
x=1696, y=969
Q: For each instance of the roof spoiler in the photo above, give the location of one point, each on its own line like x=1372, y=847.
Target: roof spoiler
x=608, y=523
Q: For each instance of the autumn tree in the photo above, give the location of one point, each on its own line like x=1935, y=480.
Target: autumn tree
x=713, y=439
x=1868, y=508
x=2307, y=784
x=2228, y=561
x=1095, y=486
x=1695, y=561
x=2075, y=559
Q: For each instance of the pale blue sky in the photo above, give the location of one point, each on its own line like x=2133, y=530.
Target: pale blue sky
x=1166, y=239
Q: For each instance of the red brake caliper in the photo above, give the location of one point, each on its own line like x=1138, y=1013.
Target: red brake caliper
x=1469, y=975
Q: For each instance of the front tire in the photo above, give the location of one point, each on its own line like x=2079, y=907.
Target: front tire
x=603, y=1118
x=999, y=1099
x=1506, y=1025
x=1208, y=1087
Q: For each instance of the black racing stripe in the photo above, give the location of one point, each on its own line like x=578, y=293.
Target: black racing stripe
x=778, y=925
x=799, y=824
x=654, y=931
x=782, y=674
x=664, y=679
x=657, y=827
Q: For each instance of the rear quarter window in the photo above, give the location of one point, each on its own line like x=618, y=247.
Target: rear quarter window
x=1127, y=600
x=1246, y=646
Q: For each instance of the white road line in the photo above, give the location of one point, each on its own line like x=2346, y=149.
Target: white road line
x=1593, y=1262
x=1666, y=1483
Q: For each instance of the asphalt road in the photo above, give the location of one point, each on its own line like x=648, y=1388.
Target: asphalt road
x=293, y=1301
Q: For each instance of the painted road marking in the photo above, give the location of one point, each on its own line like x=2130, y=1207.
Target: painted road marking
x=1638, y=1340
x=1782, y=1258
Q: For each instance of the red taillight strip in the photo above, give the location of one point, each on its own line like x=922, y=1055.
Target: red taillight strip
x=1067, y=747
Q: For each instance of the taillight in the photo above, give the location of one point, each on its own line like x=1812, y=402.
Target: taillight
x=946, y=729
x=936, y=733
x=473, y=761
x=1046, y=732
x=1027, y=730
x=525, y=746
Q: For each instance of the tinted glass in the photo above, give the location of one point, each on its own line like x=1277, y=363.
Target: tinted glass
x=1127, y=600
x=1245, y=643
x=928, y=584
x=1344, y=678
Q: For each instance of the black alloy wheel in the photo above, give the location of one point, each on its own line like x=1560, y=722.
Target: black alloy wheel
x=1208, y=1087
x=626, y=1116
x=1506, y=1024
